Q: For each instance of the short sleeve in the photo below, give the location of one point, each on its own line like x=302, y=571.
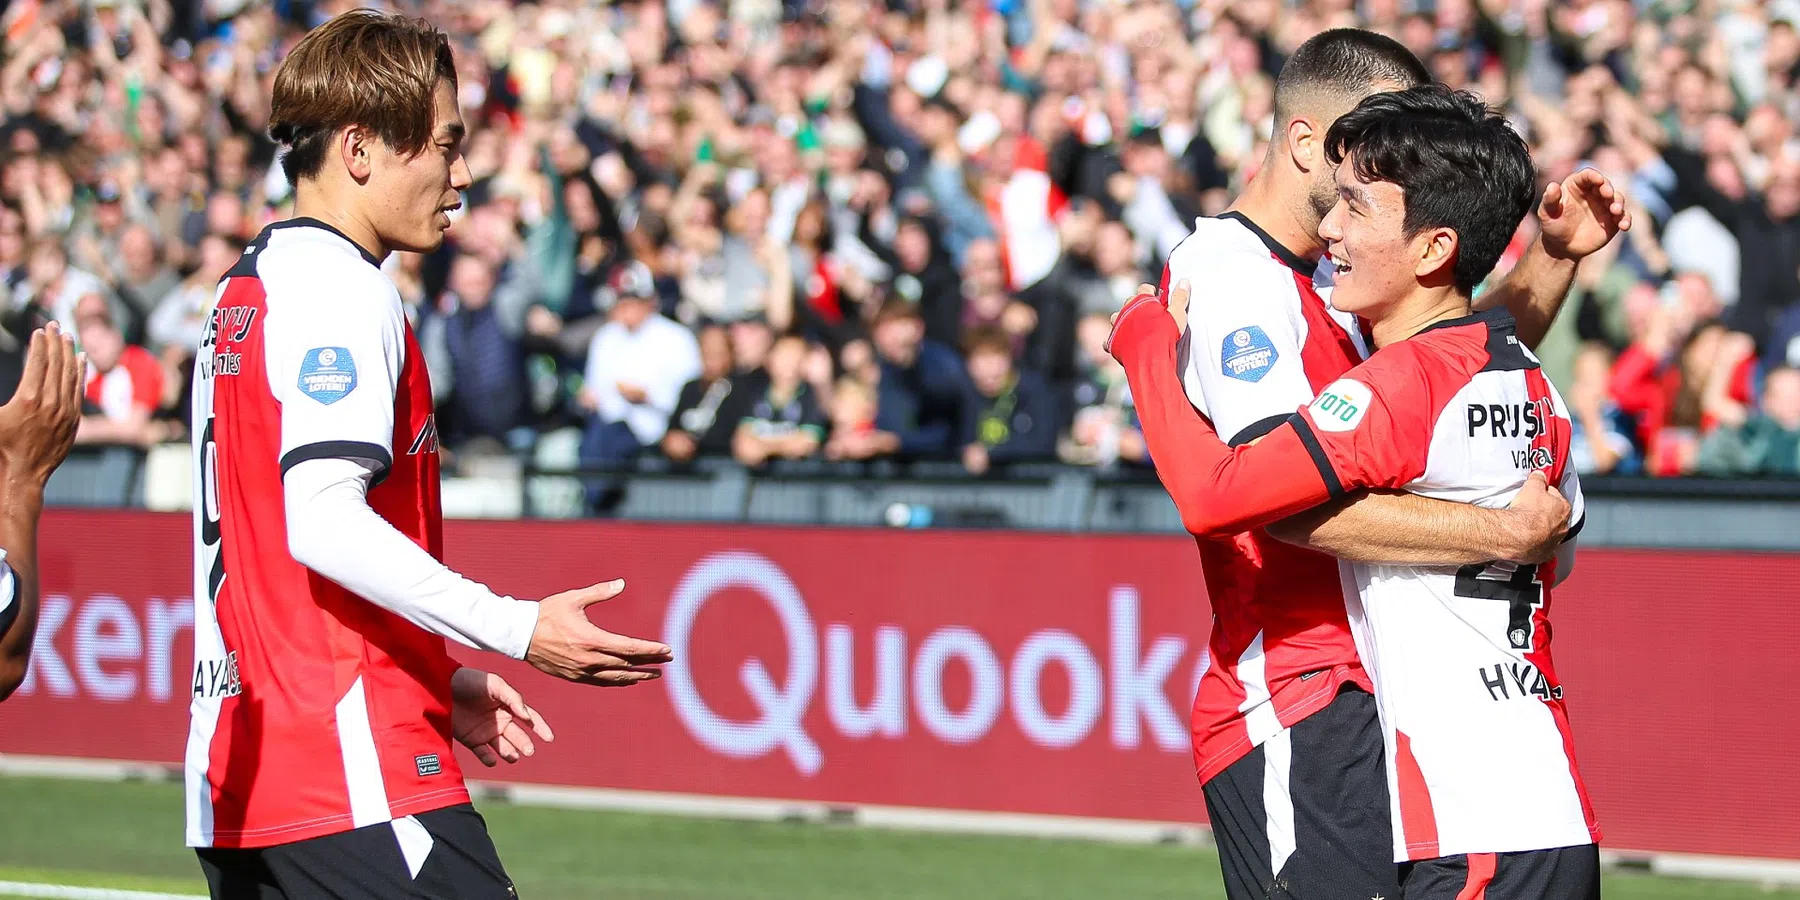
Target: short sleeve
x=1240, y=357
x=1371, y=428
x=334, y=360
x=9, y=596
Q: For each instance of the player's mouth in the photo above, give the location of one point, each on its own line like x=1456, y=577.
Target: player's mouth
x=1339, y=264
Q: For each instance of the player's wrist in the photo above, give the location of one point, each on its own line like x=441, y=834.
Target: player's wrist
x=520, y=628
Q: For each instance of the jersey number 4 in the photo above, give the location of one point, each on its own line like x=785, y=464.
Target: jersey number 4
x=1520, y=588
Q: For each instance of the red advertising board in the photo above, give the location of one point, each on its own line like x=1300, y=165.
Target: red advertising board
x=959, y=670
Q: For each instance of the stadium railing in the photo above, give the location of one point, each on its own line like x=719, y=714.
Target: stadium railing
x=1694, y=513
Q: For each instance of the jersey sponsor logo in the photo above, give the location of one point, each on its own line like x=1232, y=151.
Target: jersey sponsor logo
x=1247, y=354
x=1515, y=420
x=1341, y=406
x=217, y=677
x=327, y=374
x=1533, y=458
x=427, y=765
x=1516, y=681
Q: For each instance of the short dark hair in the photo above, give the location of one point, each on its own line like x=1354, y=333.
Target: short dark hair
x=987, y=339
x=365, y=68
x=1459, y=163
x=1343, y=62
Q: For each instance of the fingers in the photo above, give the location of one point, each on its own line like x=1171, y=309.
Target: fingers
x=1178, y=298
x=617, y=677
x=518, y=739
x=486, y=754
x=598, y=593
x=1552, y=205
x=540, y=727
x=505, y=749
x=37, y=361
x=635, y=651
x=1536, y=481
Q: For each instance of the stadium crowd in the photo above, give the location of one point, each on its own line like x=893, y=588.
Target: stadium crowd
x=784, y=229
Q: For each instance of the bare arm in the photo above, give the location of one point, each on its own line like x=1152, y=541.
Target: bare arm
x=1406, y=529
x=36, y=429
x=1578, y=216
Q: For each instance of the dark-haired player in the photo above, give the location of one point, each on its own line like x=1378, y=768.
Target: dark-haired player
x=1430, y=186
x=1285, y=733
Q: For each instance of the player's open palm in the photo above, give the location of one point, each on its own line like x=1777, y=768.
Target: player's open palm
x=1580, y=214
x=490, y=718
x=37, y=426
x=568, y=645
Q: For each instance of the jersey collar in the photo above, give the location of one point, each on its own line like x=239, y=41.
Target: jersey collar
x=1498, y=318
x=310, y=222
x=1288, y=257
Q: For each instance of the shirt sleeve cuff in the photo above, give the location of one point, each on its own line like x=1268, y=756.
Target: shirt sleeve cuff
x=518, y=621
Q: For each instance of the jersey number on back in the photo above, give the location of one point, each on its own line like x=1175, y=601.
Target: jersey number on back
x=1521, y=591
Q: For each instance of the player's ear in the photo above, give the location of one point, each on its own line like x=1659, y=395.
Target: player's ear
x=1436, y=250
x=356, y=147
x=1305, y=144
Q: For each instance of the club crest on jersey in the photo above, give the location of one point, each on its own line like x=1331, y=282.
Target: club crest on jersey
x=1247, y=354
x=1341, y=406
x=327, y=374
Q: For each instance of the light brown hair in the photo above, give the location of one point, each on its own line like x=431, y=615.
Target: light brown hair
x=364, y=67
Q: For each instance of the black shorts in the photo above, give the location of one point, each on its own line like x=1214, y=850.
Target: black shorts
x=444, y=854
x=1566, y=873
x=1305, y=815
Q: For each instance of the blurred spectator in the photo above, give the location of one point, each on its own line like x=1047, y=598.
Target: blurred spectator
x=53, y=285
x=709, y=408
x=854, y=436
x=636, y=368
x=1011, y=415
x=923, y=389
x=488, y=398
x=124, y=386
x=783, y=419
x=1601, y=440
x=1105, y=428
x=1767, y=443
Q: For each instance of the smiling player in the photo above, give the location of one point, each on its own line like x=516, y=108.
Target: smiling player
x=1430, y=187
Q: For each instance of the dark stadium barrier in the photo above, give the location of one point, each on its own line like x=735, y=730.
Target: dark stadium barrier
x=960, y=670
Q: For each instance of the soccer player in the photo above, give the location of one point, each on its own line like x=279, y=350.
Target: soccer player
x=1431, y=186
x=325, y=704
x=1286, y=736
x=37, y=427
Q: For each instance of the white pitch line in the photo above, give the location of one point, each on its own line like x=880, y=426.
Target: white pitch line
x=65, y=892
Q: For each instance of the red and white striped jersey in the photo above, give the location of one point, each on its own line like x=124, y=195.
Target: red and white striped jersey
x=314, y=711
x=1262, y=341
x=1479, y=749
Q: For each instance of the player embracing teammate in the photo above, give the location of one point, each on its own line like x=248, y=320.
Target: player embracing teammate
x=1322, y=766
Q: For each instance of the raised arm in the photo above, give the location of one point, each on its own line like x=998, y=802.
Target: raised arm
x=36, y=428
x=1577, y=216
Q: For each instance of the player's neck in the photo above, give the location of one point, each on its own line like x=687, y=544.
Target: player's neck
x=1423, y=309
x=1273, y=210
x=314, y=199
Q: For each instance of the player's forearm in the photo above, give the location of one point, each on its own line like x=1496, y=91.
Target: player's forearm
x=1533, y=292
x=332, y=531
x=1219, y=491
x=21, y=504
x=1403, y=529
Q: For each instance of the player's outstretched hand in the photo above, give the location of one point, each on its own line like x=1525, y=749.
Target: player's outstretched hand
x=566, y=644
x=1539, y=517
x=37, y=426
x=492, y=720
x=1580, y=214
